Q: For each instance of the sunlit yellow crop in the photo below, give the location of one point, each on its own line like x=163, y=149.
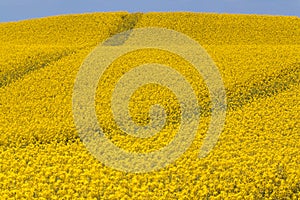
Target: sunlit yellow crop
x=257, y=155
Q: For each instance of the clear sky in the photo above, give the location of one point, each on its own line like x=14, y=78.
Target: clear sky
x=14, y=10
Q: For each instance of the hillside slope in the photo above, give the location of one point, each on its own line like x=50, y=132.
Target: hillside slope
x=257, y=155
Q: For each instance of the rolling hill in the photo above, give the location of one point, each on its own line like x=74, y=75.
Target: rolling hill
x=257, y=155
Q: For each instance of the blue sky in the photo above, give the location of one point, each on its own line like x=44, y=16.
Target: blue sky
x=14, y=10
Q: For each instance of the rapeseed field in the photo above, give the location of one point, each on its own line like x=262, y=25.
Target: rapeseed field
x=257, y=155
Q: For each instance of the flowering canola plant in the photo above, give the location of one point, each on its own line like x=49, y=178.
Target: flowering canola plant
x=257, y=155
